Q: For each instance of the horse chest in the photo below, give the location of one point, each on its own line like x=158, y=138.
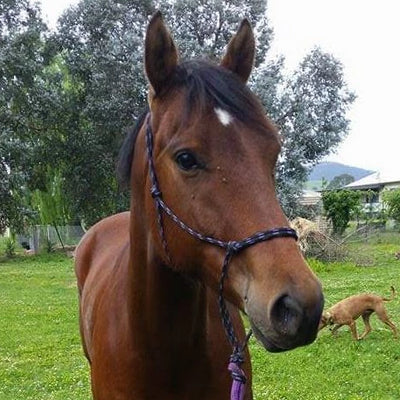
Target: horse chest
x=136, y=375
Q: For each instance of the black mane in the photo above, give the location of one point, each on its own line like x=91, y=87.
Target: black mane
x=125, y=156
x=206, y=85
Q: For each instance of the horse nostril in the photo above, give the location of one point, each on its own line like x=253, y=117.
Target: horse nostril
x=286, y=315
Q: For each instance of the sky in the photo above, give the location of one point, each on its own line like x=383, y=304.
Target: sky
x=365, y=36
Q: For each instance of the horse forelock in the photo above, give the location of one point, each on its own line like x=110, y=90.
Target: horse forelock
x=212, y=86
x=206, y=87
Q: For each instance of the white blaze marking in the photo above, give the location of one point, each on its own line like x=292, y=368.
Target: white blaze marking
x=224, y=117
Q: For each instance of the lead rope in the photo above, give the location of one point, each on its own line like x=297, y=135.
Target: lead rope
x=239, y=379
x=233, y=247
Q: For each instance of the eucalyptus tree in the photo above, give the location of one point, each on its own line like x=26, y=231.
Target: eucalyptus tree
x=313, y=120
x=23, y=56
x=101, y=43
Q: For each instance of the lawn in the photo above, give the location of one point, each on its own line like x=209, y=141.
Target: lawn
x=40, y=351
x=41, y=356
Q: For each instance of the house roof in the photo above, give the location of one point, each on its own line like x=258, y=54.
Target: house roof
x=310, y=197
x=375, y=180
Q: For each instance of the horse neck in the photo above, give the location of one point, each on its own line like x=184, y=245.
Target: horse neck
x=169, y=308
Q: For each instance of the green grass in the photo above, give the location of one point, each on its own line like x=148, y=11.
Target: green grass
x=40, y=350
x=41, y=355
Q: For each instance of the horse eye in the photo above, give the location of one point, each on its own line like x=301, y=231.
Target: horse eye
x=187, y=161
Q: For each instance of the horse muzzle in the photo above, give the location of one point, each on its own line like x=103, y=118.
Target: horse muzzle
x=288, y=323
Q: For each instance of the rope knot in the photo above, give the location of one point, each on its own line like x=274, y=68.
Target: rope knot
x=233, y=247
x=235, y=361
x=237, y=356
x=155, y=192
x=239, y=379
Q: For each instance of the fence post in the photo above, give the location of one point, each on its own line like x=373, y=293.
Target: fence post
x=35, y=239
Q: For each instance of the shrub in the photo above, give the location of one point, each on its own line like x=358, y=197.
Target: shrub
x=339, y=207
x=9, y=247
x=50, y=246
x=391, y=198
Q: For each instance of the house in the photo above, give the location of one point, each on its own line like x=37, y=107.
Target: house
x=375, y=184
x=376, y=181
x=310, y=198
x=311, y=202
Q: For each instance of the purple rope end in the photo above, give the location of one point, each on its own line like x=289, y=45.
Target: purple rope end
x=239, y=381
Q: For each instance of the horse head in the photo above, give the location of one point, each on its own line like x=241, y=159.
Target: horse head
x=214, y=154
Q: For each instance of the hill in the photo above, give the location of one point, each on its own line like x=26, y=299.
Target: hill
x=328, y=170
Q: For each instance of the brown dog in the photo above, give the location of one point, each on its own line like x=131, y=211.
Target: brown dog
x=348, y=310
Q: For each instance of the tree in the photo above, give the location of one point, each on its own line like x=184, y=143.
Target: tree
x=8, y=205
x=203, y=28
x=340, y=181
x=340, y=206
x=39, y=106
x=101, y=43
x=51, y=204
x=23, y=55
x=391, y=199
x=312, y=119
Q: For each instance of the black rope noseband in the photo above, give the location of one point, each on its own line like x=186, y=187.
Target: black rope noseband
x=231, y=248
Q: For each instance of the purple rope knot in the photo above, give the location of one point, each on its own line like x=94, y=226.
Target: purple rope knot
x=238, y=389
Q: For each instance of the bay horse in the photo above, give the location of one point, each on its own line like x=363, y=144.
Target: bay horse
x=200, y=163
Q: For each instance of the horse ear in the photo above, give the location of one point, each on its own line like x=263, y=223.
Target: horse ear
x=161, y=55
x=239, y=55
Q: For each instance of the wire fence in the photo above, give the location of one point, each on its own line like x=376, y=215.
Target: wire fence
x=41, y=237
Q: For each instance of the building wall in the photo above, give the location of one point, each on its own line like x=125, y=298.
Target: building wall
x=388, y=186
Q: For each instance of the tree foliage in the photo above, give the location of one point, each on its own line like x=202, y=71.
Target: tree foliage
x=102, y=47
x=9, y=206
x=391, y=198
x=23, y=107
x=339, y=207
x=340, y=180
x=312, y=117
x=50, y=203
x=203, y=28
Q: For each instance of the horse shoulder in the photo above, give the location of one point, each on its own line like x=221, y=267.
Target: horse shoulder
x=100, y=245
x=102, y=250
